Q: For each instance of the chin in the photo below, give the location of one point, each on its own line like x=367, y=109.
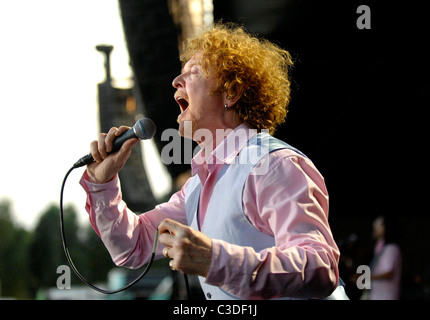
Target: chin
x=184, y=129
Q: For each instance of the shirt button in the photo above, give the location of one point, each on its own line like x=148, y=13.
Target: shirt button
x=208, y=295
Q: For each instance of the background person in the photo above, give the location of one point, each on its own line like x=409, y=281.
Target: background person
x=386, y=265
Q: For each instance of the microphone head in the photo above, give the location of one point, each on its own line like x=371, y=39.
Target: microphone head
x=144, y=128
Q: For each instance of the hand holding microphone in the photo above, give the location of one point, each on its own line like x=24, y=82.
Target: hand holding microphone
x=104, y=162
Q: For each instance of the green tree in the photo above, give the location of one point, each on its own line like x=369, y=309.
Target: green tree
x=14, y=268
x=85, y=247
x=46, y=250
x=98, y=261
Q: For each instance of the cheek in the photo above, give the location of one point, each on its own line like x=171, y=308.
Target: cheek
x=202, y=100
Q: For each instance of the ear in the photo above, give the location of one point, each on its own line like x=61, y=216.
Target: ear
x=231, y=100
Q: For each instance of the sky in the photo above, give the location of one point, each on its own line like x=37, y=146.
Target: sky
x=49, y=71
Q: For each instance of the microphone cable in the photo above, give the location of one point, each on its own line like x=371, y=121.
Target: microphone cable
x=75, y=270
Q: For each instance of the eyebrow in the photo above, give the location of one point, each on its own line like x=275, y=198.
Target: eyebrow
x=191, y=64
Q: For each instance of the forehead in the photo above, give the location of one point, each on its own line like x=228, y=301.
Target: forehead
x=207, y=69
x=190, y=63
x=195, y=58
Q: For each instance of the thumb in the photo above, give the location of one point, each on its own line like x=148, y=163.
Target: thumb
x=124, y=152
x=128, y=145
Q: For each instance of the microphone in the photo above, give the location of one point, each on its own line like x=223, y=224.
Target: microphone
x=143, y=129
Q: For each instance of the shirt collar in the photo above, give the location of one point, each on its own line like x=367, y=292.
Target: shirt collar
x=226, y=151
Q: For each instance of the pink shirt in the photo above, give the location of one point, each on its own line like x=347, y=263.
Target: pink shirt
x=389, y=260
x=304, y=260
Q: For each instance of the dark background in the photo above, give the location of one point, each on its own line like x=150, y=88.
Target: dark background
x=358, y=106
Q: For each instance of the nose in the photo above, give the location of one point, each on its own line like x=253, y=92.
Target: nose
x=178, y=82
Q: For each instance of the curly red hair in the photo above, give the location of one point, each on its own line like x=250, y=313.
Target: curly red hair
x=245, y=65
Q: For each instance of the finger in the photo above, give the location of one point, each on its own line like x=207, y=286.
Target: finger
x=166, y=239
x=171, y=226
x=171, y=265
x=95, y=152
x=101, y=147
x=112, y=135
x=110, y=138
x=127, y=146
x=170, y=234
x=121, y=130
x=166, y=252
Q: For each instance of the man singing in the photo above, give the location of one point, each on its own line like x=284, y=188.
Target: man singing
x=252, y=221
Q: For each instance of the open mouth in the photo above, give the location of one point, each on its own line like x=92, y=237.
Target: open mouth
x=182, y=103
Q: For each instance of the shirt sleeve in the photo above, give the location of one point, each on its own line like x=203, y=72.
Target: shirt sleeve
x=128, y=237
x=290, y=203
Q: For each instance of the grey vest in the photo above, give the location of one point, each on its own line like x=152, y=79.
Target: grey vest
x=225, y=219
